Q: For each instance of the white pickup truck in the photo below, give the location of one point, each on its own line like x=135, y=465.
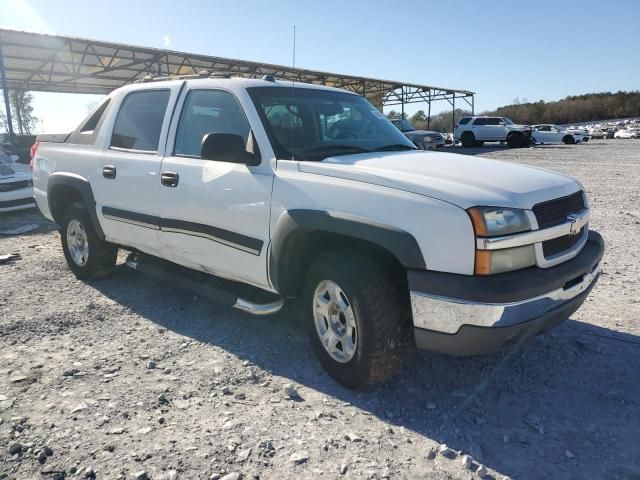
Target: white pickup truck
x=302, y=191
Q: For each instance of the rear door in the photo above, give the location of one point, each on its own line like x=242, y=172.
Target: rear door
x=215, y=214
x=127, y=184
x=478, y=128
x=494, y=129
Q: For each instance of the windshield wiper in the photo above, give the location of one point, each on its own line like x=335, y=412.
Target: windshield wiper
x=394, y=147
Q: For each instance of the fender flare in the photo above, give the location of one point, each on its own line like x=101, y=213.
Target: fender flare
x=82, y=185
x=399, y=243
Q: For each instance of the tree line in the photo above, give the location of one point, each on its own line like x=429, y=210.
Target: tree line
x=22, y=118
x=574, y=109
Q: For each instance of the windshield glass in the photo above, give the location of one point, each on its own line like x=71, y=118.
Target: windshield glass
x=310, y=124
x=404, y=125
x=4, y=158
x=507, y=121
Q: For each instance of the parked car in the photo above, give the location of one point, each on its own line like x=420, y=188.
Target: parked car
x=20, y=146
x=312, y=193
x=474, y=131
x=627, y=133
x=547, y=133
x=423, y=139
x=598, y=133
x=16, y=187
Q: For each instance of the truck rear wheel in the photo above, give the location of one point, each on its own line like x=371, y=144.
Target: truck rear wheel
x=88, y=256
x=468, y=139
x=358, y=325
x=515, y=140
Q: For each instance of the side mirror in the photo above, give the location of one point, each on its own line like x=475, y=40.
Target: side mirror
x=228, y=147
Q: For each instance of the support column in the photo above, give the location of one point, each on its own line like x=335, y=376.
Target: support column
x=5, y=91
x=453, y=116
x=429, y=112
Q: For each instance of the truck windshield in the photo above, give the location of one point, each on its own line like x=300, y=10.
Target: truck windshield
x=313, y=124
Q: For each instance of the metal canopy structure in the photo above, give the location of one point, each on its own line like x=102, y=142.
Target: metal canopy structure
x=55, y=63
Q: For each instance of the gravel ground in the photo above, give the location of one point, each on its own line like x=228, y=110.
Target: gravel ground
x=126, y=378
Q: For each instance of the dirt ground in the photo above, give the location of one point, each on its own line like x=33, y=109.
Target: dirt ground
x=127, y=378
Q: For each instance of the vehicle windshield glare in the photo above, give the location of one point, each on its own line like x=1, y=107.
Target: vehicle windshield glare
x=313, y=124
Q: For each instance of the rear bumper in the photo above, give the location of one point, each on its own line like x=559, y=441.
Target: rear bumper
x=465, y=315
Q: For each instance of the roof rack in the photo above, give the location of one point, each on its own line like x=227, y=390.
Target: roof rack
x=201, y=74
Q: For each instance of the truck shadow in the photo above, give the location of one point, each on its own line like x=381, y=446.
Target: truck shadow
x=564, y=405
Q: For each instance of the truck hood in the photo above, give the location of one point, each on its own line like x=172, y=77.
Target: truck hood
x=14, y=172
x=463, y=180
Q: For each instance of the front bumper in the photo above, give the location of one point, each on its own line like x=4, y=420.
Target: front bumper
x=468, y=315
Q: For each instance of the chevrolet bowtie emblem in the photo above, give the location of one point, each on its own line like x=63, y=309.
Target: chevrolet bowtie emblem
x=574, y=229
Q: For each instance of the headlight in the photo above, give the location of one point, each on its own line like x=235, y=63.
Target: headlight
x=496, y=221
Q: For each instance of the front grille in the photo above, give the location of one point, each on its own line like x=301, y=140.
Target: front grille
x=560, y=244
x=9, y=187
x=554, y=212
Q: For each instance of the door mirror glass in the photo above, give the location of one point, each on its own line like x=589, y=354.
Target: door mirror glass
x=227, y=147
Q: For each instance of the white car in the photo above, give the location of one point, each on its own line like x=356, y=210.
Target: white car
x=627, y=133
x=475, y=131
x=16, y=187
x=547, y=133
x=312, y=193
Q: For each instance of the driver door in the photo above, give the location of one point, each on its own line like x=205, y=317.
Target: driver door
x=214, y=214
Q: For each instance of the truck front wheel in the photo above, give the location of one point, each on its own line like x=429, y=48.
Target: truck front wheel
x=88, y=256
x=358, y=325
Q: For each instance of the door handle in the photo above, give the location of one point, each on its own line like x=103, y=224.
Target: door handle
x=109, y=171
x=169, y=179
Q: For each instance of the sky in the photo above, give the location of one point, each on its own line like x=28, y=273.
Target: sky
x=503, y=50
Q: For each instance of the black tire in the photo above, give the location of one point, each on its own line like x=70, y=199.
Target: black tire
x=569, y=140
x=468, y=139
x=380, y=305
x=515, y=140
x=101, y=257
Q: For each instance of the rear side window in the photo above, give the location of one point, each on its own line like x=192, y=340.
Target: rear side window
x=139, y=120
x=480, y=121
x=464, y=121
x=91, y=124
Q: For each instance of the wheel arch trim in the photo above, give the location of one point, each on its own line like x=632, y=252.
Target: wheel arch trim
x=293, y=223
x=70, y=180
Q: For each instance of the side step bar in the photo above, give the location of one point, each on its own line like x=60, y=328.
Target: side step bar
x=208, y=286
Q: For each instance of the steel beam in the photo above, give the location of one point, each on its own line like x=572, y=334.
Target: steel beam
x=5, y=92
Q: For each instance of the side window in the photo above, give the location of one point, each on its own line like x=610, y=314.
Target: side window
x=208, y=111
x=494, y=121
x=139, y=120
x=464, y=121
x=480, y=121
x=91, y=124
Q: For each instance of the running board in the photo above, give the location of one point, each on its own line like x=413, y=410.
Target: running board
x=212, y=288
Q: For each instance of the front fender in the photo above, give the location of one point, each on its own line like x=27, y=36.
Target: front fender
x=293, y=223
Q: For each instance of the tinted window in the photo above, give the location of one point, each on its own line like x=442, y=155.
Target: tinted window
x=208, y=111
x=140, y=120
x=480, y=121
x=494, y=121
x=91, y=124
x=464, y=121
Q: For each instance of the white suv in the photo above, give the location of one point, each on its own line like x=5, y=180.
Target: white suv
x=308, y=192
x=474, y=131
